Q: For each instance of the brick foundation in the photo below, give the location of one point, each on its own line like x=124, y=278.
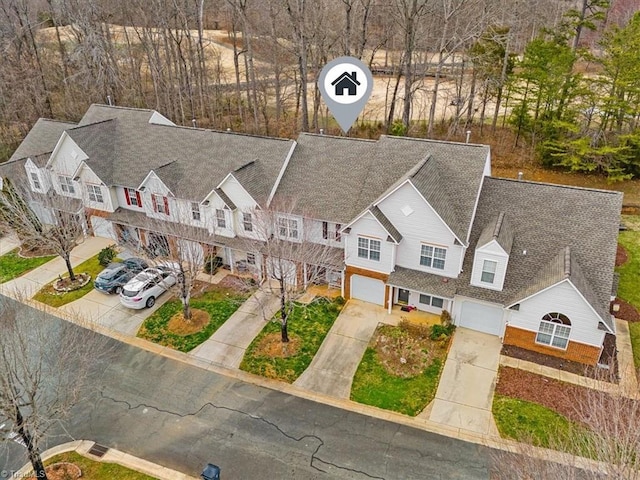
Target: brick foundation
x=365, y=273
x=576, y=352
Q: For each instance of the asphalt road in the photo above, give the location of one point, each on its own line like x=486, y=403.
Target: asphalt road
x=183, y=417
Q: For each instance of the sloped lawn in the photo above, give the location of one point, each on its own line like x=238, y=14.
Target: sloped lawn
x=13, y=265
x=400, y=369
x=51, y=297
x=308, y=326
x=219, y=302
x=99, y=470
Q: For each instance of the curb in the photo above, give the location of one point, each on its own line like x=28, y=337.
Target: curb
x=82, y=447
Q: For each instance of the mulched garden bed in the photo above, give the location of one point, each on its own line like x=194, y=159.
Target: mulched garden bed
x=626, y=312
x=608, y=357
x=621, y=256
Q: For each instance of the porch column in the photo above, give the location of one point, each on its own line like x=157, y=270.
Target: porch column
x=304, y=275
x=231, y=260
x=390, y=300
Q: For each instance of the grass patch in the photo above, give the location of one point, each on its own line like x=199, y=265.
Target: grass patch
x=400, y=370
x=308, y=325
x=630, y=272
x=218, y=302
x=532, y=423
x=13, y=265
x=99, y=470
x=634, y=333
x=57, y=299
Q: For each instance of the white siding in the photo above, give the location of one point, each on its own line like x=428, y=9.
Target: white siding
x=367, y=226
x=496, y=255
x=65, y=160
x=43, y=177
x=414, y=300
x=422, y=226
x=88, y=177
x=562, y=298
x=159, y=119
x=154, y=186
x=121, y=200
x=314, y=233
x=244, y=203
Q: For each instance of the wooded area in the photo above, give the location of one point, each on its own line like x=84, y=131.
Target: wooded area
x=562, y=74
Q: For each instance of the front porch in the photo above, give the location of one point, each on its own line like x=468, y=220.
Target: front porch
x=418, y=317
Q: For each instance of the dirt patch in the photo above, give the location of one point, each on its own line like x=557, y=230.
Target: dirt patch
x=179, y=326
x=272, y=346
x=235, y=283
x=621, y=256
x=567, y=365
x=406, y=350
x=34, y=251
x=626, y=311
x=61, y=471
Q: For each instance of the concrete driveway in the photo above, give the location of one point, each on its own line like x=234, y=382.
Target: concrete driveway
x=465, y=392
x=333, y=367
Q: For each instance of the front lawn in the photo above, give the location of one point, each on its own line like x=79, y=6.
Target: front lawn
x=400, y=369
x=218, y=302
x=99, y=470
x=630, y=272
x=308, y=326
x=13, y=265
x=51, y=297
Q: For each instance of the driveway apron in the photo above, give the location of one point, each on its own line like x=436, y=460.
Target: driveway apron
x=465, y=391
x=333, y=367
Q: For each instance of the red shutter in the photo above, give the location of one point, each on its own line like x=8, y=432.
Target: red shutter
x=155, y=204
x=139, y=198
x=126, y=196
x=166, y=205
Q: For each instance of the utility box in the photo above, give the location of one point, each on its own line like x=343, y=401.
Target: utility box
x=211, y=472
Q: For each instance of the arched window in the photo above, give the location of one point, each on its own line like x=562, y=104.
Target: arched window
x=554, y=330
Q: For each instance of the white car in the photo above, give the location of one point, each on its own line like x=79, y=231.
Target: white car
x=143, y=289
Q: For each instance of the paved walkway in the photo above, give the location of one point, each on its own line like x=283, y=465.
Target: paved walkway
x=333, y=367
x=465, y=393
x=227, y=345
x=8, y=243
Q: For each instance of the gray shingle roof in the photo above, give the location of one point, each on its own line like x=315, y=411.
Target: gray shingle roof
x=422, y=282
x=227, y=201
x=393, y=232
x=545, y=219
x=499, y=230
x=41, y=139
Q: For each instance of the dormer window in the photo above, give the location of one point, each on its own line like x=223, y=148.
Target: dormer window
x=488, y=271
x=195, y=211
x=133, y=197
x=160, y=204
x=66, y=184
x=35, y=179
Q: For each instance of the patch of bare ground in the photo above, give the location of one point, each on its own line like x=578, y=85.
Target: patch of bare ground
x=235, y=283
x=406, y=351
x=621, y=256
x=626, y=311
x=61, y=471
x=272, y=346
x=179, y=326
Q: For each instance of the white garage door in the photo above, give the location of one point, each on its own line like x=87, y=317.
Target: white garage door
x=367, y=289
x=102, y=228
x=483, y=318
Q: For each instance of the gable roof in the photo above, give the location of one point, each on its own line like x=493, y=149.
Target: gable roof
x=585, y=220
x=498, y=229
x=41, y=140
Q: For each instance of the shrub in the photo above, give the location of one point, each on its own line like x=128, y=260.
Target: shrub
x=212, y=264
x=441, y=332
x=339, y=300
x=106, y=255
x=445, y=318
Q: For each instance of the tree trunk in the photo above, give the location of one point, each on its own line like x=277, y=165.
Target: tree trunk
x=67, y=261
x=283, y=311
x=34, y=454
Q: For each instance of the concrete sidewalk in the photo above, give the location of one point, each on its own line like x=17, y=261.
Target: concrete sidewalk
x=227, y=345
x=332, y=369
x=465, y=392
x=8, y=243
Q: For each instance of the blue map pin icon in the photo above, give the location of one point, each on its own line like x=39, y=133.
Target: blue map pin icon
x=345, y=84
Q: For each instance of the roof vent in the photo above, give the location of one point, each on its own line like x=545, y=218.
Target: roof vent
x=520, y=174
x=195, y=124
x=109, y=101
x=322, y=131
x=468, y=136
x=524, y=252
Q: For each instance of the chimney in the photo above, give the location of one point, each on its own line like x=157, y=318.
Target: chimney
x=520, y=174
x=109, y=101
x=468, y=136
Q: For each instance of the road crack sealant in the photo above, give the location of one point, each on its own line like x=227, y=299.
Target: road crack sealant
x=314, y=455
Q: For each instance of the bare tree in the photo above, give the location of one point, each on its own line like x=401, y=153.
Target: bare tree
x=294, y=253
x=54, y=223
x=45, y=365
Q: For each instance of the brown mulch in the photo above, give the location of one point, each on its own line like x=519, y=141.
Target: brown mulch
x=608, y=357
x=179, y=326
x=626, y=312
x=61, y=471
x=554, y=394
x=621, y=256
x=272, y=346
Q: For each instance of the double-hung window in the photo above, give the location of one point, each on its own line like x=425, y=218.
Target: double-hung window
x=247, y=222
x=66, y=184
x=160, y=204
x=195, y=211
x=35, y=179
x=369, y=248
x=133, y=197
x=432, y=301
x=488, y=271
x=95, y=193
x=433, y=257
x=287, y=228
x=221, y=220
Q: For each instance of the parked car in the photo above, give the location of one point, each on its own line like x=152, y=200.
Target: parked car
x=115, y=275
x=143, y=289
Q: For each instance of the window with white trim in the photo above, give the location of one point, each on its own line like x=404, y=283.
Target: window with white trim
x=95, y=193
x=221, y=219
x=160, y=204
x=133, y=197
x=369, y=248
x=251, y=258
x=431, y=301
x=195, y=211
x=36, y=181
x=554, y=330
x=66, y=184
x=488, y=271
x=247, y=222
x=287, y=227
x=433, y=257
